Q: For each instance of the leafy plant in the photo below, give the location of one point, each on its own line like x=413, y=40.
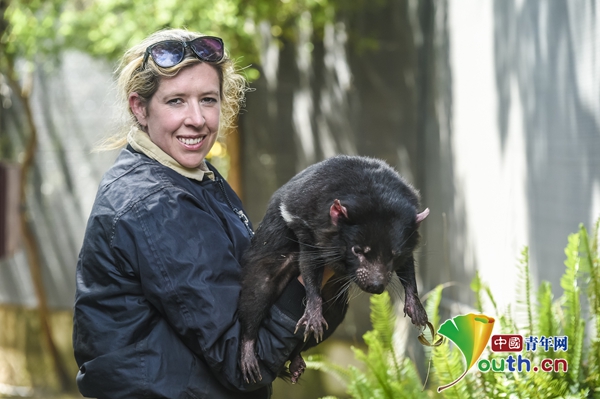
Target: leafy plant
x=388, y=375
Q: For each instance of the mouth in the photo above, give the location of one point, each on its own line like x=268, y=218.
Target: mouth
x=191, y=142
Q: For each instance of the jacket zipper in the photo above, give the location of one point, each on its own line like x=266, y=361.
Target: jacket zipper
x=237, y=211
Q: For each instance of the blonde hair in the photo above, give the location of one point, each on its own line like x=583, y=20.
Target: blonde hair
x=133, y=77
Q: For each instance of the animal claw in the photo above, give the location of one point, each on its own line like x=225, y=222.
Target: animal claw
x=249, y=363
x=306, y=334
x=297, y=367
x=314, y=324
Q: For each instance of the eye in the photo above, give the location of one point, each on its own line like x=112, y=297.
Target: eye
x=175, y=101
x=209, y=100
x=356, y=250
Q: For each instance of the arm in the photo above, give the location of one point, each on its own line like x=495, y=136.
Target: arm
x=190, y=273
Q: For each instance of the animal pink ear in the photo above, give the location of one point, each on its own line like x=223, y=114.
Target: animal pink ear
x=336, y=210
x=421, y=216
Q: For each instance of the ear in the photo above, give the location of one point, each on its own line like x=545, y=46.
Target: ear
x=336, y=210
x=137, y=105
x=421, y=216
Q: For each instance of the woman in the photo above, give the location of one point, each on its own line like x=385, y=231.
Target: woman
x=158, y=273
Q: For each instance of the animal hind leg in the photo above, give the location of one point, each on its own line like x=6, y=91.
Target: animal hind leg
x=312, y=276
x=297, y=367
x=258, y=294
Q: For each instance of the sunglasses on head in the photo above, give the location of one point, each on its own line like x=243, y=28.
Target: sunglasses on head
x=169, y=53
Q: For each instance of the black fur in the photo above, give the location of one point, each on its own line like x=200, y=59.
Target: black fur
x=353, y=214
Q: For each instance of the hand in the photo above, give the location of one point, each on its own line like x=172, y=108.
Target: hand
x=327, y=274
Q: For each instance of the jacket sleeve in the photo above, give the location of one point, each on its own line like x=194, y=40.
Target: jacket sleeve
x=190, y=273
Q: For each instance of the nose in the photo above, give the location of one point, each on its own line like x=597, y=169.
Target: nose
x=195, y=116
x=371, y=280
x=375, y=288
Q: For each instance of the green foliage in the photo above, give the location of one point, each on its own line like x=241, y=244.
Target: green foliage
x=547, y=322
x=107, y=28
x=524, y=299
x=545, y=318
x=386, y=375
x=28, y=28
x=590, y=260
x=572, y=323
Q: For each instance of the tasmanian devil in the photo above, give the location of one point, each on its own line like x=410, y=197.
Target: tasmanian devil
x=355, y=215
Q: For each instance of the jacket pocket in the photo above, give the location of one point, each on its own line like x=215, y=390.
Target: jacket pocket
x=118, y=374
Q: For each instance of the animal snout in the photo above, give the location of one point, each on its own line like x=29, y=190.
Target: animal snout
x=370, y=281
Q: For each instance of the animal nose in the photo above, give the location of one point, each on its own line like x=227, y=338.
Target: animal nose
x=375, y=288
x=370, y=280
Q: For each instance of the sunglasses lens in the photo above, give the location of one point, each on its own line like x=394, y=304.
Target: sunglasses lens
x=167, y=54
x=208, y=48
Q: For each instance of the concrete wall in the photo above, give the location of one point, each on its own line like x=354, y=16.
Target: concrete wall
x=523, y=134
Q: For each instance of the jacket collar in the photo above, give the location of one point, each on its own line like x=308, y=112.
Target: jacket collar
x=140, y=141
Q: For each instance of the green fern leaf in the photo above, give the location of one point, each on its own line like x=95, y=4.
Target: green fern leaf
x=573, y=324
x=376, y=363
x=491, y=298
x=524, y=295
x=477, y=287
x=432, y=304
x=589, y=250
x=568, y=282
x=360, y=386
x=410, y=383
x=383, y=319
x=589, y=255
x=448, y=366
x=318, y=362
x=546, y=320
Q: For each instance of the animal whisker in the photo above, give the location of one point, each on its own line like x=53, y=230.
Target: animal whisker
x=354, y=292
x=310, y=245
x=340, y=294
x=395, y=287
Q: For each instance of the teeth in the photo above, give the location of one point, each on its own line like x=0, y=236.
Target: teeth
x=191, y=141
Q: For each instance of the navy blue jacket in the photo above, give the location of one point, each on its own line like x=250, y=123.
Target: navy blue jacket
x=157, y=290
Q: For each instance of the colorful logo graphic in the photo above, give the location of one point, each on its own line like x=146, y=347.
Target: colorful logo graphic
x=470, y=333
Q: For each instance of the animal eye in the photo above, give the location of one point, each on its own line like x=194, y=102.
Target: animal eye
x=358, y=250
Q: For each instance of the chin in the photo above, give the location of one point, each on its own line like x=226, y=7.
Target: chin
x=191, y=164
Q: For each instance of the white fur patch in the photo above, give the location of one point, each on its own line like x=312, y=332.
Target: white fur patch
x=288, y=217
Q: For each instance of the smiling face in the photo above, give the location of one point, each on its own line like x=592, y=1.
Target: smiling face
x=182, y=117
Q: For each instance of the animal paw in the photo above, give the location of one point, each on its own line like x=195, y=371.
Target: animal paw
x=297, y=367
x=249, y=363
x=315, y=323
x=416, y=312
